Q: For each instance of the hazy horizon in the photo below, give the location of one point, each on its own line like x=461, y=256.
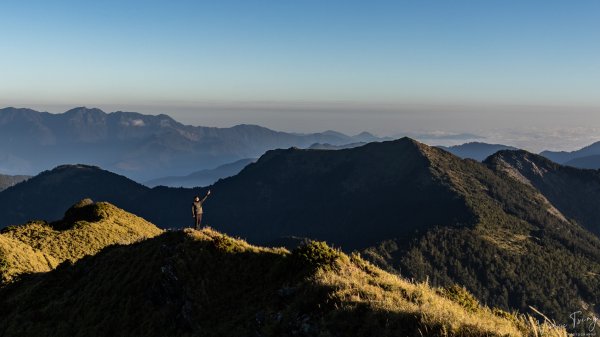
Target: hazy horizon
x=520, y=73
x=534, y=138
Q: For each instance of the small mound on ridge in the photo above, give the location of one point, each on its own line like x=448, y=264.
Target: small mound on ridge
x=86, y=229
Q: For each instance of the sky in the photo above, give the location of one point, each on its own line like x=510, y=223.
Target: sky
x=498, y=69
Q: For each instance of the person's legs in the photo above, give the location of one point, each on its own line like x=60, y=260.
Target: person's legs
x=198, y=220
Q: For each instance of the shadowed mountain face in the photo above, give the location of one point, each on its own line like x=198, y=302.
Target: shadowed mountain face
x=386, y=188
x=476, y=150
x=139, y=146
x=45, y=195
x=574, y=192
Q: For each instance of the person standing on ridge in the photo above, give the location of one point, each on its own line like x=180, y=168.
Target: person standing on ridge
x=197, y=209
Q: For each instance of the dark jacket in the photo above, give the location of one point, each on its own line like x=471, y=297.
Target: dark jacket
x=197, y=206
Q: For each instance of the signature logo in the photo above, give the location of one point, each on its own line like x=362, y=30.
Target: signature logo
x=578, y=320
x=580, y=323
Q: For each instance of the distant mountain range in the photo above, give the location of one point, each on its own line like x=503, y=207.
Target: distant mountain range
x=413, y=209
x=7, y=181
x=139, y=146
x=202, y=177
x=588, y=162
x=319, y=146
x=476, y=150
x=586, y=157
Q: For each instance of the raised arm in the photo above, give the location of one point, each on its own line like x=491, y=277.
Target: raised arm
x=205, y=197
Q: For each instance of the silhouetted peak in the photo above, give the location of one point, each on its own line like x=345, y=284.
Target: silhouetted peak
x=85, y=111
x=332, y=133
x=12, y=113
x=365, y=134
x=519, y=156
x=11, y=109
x=250, y=127
x=68, y=167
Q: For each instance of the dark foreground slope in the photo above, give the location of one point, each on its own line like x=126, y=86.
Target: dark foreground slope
x=206, y=284
x=574, y=192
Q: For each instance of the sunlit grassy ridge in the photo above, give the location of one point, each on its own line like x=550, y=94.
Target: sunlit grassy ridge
x=203, y=283
x=87, y=228
x=18, y=258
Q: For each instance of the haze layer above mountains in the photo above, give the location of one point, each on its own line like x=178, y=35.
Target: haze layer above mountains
x=139, y=146
x=159, y=150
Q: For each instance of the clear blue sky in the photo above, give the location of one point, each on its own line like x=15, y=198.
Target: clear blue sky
x=275, y=62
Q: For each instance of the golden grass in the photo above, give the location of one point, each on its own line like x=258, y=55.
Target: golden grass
x=228, y=283
x=506, y=240
x=232, y=245
x=17, y=258
x=356, y=282
x=38, y=247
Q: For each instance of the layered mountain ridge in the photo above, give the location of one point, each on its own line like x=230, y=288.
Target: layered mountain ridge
x=586, y=157
x=140, y=146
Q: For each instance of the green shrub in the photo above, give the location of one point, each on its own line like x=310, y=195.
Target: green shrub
x=316, y=254
x=3, y=265
x=226, y=244
x=505, y=314
x=84, y=210
x=461, y=296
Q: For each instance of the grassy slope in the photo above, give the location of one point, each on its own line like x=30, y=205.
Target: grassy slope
x=86, y=229
x=203, y=283
x=520, y=252
x=18, y=258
